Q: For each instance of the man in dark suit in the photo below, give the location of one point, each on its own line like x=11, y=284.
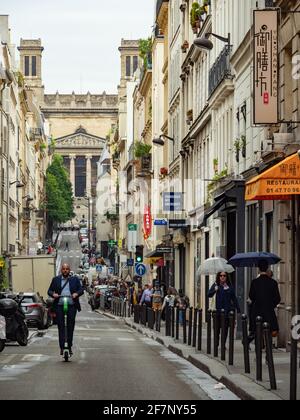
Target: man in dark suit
x=264, y=297
x=65, y=285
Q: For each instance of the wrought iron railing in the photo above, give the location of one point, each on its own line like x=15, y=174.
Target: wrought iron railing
x=221, y=70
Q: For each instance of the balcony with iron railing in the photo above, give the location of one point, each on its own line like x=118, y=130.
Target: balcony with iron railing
x=221, y=70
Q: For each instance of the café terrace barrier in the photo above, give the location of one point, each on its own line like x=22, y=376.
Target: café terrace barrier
x=188, y=326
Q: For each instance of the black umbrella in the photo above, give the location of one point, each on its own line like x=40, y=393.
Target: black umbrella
x=252, y=259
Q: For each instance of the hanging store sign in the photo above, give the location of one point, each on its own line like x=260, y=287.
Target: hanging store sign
x=266, y=67
x=172, y=202
x=147, y=222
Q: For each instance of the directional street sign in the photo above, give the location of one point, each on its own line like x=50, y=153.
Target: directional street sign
x=140, y=269
x=130, y=263
x=132, y=228
x=161, y=222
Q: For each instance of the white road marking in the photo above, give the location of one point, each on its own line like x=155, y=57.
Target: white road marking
x=126, y=339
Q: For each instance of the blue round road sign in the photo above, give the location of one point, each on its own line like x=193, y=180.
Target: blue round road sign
x=140, y=269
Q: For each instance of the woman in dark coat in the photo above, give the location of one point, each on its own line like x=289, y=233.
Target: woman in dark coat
x=264, y=298
x=225, y=299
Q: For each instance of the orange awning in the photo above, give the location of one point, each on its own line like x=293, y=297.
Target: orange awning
x=280, y=182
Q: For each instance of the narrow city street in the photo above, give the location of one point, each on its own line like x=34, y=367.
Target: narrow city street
x=110, y=362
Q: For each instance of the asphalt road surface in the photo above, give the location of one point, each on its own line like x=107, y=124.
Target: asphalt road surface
x=110, y=362
x=72, y=255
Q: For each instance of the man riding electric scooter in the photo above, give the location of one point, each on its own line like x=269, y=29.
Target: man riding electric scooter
x=66, y=291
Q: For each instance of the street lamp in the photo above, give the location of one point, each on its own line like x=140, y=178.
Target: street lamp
x=204, y=43
x=160, y=141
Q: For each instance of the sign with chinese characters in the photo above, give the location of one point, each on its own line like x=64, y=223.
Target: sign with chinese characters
x=266, y=67
x=147, y=222
x=280, y=182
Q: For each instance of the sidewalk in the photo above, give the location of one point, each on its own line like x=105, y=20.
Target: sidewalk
x=243, y=385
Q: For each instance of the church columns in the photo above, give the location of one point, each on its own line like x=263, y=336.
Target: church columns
x=88, y=175
x=72, y=171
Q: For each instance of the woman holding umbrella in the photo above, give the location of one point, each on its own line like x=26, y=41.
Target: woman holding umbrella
x=225, y=300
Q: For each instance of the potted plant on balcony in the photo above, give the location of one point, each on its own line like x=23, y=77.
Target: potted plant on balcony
x=164, y=172
x=142, y=154
x=195, y=17
x=237, y=148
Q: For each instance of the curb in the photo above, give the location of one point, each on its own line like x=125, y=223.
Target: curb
x=242, y=386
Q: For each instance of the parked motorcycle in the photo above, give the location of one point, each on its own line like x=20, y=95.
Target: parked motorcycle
x=2, y=333
x=16, y=327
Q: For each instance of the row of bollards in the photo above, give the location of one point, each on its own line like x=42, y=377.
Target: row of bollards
x=219, y=327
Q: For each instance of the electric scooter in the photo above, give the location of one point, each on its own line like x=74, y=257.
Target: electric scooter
x=66, y=351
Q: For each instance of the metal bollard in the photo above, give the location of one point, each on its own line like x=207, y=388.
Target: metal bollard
x=209, y=319
x=246, y=344
x=294, y=368
x=150, y=318
x=173, y=321
x=259, y=342
x=168, y=321
x=184, y=326
x=216, y=333
x=223, y=335
x=190, y=326
x=270, y=358
x=200, y=321
x=195, y=327
x=177, y=323
x=158, y=314
x=231, y=337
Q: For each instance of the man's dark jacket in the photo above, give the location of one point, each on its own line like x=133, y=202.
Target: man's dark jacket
x=75, y=287
x=265, y=297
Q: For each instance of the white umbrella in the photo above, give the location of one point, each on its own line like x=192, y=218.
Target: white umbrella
x=214, y=266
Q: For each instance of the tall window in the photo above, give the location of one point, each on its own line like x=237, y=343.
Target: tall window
x=26, y=65
x=33, y=62
x=128, y=66
x=135, y=63
x=80, y=177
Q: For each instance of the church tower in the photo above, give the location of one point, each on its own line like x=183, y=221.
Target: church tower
x=31, y=65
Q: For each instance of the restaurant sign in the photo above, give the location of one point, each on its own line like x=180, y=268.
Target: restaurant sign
x=266, y=65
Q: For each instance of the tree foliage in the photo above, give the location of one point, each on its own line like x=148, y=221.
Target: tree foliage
x=59, y=192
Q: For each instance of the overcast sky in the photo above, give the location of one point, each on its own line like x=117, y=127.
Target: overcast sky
x=80, y=37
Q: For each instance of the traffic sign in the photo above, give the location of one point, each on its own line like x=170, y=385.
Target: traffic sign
x=161, y=222
x=99, y=268
x=130, y=263
x=132, y=227
x=140, y=269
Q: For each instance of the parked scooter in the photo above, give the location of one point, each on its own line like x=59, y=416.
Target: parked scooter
x=2, y=333
x=16, y=327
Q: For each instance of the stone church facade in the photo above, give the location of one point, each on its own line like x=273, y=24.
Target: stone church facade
x=78, y=123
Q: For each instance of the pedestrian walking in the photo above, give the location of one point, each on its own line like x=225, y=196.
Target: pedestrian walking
x=182, y=302
x=146, y=296
x=157, y=297
x=66, y=286
x=226, y=300
x=169, y=301
x=264, y=297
